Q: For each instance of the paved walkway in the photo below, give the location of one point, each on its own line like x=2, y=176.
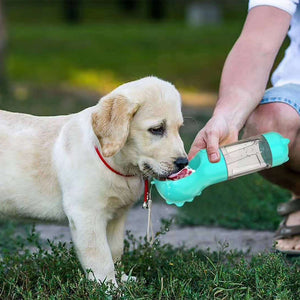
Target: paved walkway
x=201, y=236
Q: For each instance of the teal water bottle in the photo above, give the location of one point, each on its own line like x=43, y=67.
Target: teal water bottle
x=244, y=157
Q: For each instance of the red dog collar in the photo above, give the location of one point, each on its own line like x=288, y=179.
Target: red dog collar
x=146, y=193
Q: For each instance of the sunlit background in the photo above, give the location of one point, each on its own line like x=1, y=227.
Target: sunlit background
x=96, y=45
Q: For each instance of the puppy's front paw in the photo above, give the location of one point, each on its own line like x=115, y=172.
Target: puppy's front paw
x=101, y=279
x=126, y=278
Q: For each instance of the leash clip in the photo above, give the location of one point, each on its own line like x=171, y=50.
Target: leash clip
x=148, y=205
x=147, y=195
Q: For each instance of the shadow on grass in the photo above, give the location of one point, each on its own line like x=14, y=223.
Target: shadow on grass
x=247, y=202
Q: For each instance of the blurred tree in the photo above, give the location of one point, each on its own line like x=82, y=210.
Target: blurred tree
x=71, y=10
x=3, y=75
x=128, y=5
x=156, y=9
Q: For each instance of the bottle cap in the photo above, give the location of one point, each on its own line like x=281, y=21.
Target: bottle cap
x=279, y=148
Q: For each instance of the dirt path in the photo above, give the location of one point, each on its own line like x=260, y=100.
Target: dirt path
x=201, y=236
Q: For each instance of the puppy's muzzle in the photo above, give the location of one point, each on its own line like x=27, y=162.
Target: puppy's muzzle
x=181, y=162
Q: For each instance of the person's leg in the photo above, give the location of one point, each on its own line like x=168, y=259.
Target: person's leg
x=281, y=118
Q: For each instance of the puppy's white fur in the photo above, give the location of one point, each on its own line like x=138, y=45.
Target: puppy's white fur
x=50, y=170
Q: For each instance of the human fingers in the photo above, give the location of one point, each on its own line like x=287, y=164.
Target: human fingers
x=198, y=144
x=212, y=145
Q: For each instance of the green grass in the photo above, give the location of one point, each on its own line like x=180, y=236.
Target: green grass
x=163, y=272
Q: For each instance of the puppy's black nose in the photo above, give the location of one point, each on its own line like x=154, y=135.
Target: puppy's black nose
x=181, y=162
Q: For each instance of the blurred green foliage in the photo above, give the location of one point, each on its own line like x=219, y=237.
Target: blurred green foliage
x=97, y=11
x=102, y=56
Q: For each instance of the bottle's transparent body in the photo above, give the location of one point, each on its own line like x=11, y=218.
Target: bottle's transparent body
x=247, y=156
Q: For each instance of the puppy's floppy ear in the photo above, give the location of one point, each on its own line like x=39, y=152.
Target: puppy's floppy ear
x=112, y=121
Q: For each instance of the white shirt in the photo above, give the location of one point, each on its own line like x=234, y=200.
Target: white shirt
x=288, y=70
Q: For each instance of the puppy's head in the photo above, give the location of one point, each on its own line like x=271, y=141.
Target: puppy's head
x=141, y=120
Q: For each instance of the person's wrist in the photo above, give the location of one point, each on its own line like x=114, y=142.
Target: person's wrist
x=234, y=120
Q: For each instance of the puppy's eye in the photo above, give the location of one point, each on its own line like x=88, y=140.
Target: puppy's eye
x=157, y=130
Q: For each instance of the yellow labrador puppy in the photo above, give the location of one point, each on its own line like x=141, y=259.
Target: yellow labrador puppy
x=50, y=169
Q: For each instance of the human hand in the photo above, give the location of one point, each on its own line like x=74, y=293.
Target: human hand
x=217, y=131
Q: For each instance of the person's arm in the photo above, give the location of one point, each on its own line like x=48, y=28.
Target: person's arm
x=244, y=78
